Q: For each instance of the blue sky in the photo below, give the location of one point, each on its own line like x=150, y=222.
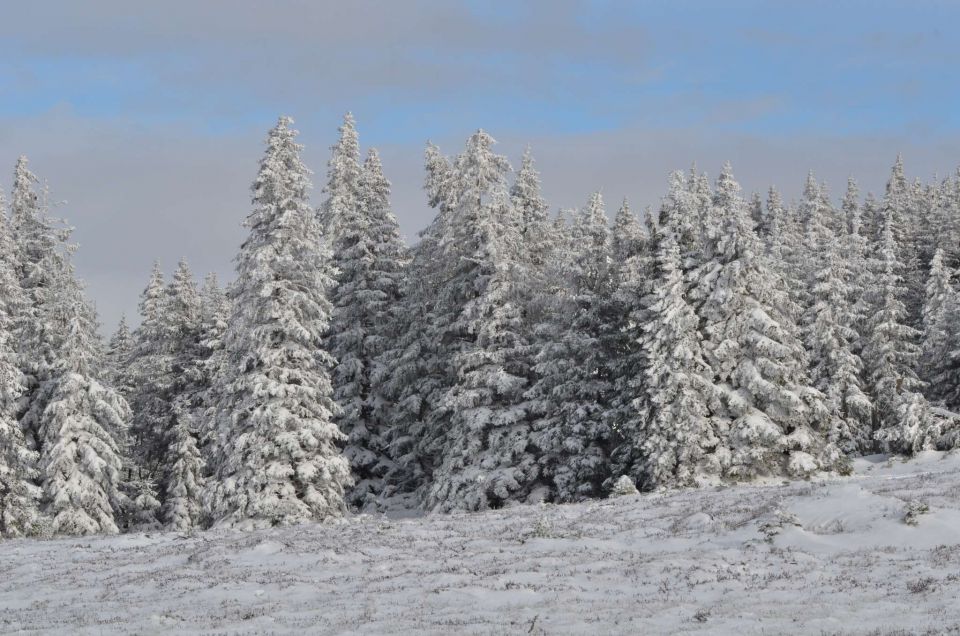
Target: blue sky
x=148, y=119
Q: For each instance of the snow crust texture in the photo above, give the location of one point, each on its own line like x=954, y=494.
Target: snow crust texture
x=825, y=556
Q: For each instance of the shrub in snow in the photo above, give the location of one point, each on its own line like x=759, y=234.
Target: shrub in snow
x=915, y=508
x=772, y=524
x=926, y=584
x=624, y=486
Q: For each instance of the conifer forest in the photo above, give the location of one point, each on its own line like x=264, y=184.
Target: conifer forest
x=510, y=354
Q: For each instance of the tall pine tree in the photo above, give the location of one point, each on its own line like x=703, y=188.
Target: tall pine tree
x=370, y=256
x=777, y=422
x=485, y=459
x=280, y=459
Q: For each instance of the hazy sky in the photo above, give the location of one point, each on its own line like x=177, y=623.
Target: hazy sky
x=148, y=118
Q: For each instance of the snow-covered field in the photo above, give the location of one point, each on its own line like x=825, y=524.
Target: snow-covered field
x=821, y=557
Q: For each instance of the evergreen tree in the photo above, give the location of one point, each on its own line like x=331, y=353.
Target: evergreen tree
x=784, y=247
x=680, y=210
x=946, y=220
x=897, y=210
x=944, y=335
x=415, y=371
x=151, y=377
x=19, y=514
x=38, y=333
x=119, y=350
x=215, y=314
x=343, y=178
x=831, y=335
x=632, y=254
x=280, y=462
x=757, y=214
x=531, y=213
x=571, y=396
x=856, y=247
x=937, y=340
x=370, y=256
x=815, y=217
x=627, y=238
x=538, y=252
x=485, y=460
x=80, y=462
x=776, y=421
x=676, y=438
x=891, y=353
x=183, y=481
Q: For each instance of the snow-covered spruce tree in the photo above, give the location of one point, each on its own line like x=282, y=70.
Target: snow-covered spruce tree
x=635, y=282
x=778, y=224
x=937, y=341
x=214, y=313
x=630, y=270
x=59, y=322
x=570, y=399
x=850, y=211
x=370, y=256
x=680, y=209
x=891, y=352
x=676, y=438
x=816, y=221
x=280, y=460
x=80, y=462
x=416, y=370
x=531, y=211
x=928, y=222
x=41, y=242
x=872, y=218
x=19, y=514
x=343, y=179
x=182, y=470
x=777, y=421
x=214, y=316
x=784, y=247
x=946, y=220
x=182, y=507
x=16, y=307
x=144, y=380
x=897, y=210
x=150, y=377
x=117, y=359
x=830, y=332
x=701, y=200
x=946, y=331
x=539, y=245
x=628, y=238
x=855, y=245
x=815, y=217
x=486, y=459
x=758, y=214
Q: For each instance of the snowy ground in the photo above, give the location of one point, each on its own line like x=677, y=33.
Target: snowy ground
x=820, y=557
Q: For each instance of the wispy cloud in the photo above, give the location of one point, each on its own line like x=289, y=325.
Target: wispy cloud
x=148, y=117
